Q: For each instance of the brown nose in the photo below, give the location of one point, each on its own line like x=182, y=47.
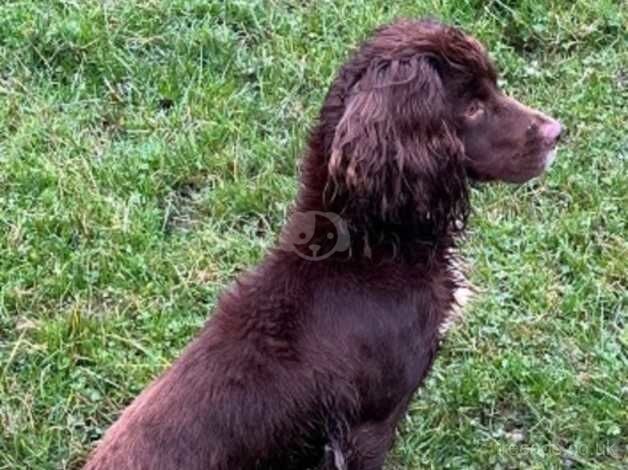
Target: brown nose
x=551, y=131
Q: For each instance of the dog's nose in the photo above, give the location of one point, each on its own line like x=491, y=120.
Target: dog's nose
x=551, y=131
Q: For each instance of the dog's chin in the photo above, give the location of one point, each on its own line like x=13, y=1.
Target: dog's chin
x=549, y=158
x=541, y=164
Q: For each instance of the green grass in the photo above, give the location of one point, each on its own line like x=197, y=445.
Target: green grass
x=148, y=154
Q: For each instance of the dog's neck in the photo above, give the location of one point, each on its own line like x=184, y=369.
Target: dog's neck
x=382, y=243
x=410, y=239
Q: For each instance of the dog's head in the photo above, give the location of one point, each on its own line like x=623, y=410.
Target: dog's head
x=415, y=113
x=503, y=139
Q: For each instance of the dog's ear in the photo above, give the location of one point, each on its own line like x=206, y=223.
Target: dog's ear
x=394, y=153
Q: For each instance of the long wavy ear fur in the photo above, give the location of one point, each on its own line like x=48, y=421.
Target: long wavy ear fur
x=395, y=157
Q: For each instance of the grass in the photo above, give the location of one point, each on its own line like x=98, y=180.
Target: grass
x=148, y=154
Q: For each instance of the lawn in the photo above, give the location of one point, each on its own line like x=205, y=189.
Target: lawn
x=148, y=154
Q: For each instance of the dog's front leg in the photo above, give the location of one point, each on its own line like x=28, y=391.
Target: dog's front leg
x=334, y=458
x=368, y=445
x=364, y=447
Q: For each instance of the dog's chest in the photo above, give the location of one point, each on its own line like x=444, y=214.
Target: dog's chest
x=460, y=293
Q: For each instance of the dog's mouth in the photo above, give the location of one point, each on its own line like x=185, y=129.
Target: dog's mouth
x=550, y=133
x=550, y=157
x=538, y=161
x=537, y=165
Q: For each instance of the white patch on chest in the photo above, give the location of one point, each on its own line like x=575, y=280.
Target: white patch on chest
x=462, y=293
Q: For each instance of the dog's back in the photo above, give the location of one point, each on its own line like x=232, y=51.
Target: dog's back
x=231, y=397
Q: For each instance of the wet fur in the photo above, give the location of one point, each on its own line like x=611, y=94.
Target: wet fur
x=311, y=364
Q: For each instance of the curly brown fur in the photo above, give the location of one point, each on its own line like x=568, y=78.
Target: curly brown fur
x=310, y=360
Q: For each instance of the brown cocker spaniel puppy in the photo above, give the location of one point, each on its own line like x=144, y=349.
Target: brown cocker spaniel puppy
x=310, y=359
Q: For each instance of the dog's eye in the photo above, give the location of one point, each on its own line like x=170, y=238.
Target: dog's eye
x=474, y=110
